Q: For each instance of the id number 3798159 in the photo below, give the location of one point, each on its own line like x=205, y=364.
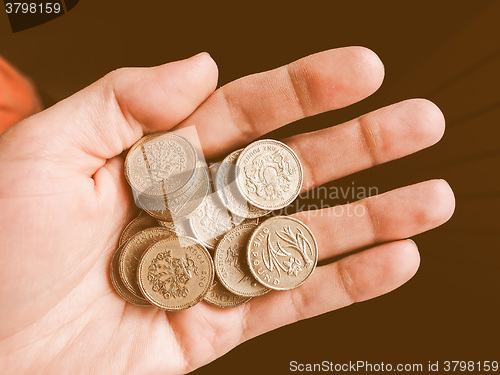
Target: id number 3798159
x=33, y=8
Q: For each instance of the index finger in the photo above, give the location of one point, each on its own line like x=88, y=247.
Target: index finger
x=251, y=106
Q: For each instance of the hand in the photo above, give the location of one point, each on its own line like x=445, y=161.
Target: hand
x=18, y=98
x=65, y=202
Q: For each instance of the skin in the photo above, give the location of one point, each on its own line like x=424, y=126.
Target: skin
x=65, y=202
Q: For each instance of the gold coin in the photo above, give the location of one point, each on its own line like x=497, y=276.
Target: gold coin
x=180, y=228
x=132, y=251
x=120, y=288
x=270, y=174
x=211, y=221
x=175, y=273
x=178, y=206
x=225, y=185
x=160, y=164
x=251, y=221
x=230, y=263
x=141, y=222
x=213, y=171
x=282, y=253
x=219, y=296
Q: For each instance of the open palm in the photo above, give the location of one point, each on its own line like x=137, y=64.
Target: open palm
x=64, y=203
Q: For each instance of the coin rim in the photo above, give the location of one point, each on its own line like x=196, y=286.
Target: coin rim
x=121, y=263
x=118, y=285
x=125, y=231
x=274, y=206
x=242, y=301
x=163, y=224
x=219, y=180
x=219, y=250
x=188, y=215
x=191, y=303
x=252, y=237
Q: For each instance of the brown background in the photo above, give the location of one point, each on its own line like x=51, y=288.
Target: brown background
x=445, y=51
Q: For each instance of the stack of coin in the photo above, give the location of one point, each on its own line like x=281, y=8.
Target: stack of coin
x=195, y=241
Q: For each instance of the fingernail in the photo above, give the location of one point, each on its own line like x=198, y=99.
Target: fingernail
x=409, y=239
x=200, y=54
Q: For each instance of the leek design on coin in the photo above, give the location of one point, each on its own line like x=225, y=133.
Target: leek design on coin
x=282, y=253
x=270, y=174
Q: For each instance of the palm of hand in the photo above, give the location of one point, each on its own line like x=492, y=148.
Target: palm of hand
x=65, y=203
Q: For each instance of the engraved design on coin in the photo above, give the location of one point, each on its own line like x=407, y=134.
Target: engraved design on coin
x=160, y=164
x=132, y=250
x=211, y=221
x=214, y=218
x=179, y=205
x=226, y=188
x=175, y=273
x=163, y=158
x=282, y=253
x=168, y=276
x=233, y=259
x=274, y=255
x=230, y=263
x=269, y=175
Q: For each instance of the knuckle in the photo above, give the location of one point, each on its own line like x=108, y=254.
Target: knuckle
x=300, y=302
x=346, y=282
x=239, y=114
x=371, y=136
x=299, y=90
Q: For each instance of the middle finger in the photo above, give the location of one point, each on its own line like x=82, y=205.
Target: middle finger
x=380, y=136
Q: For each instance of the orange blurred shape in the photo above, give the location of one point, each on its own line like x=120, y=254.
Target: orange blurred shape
x=18, y=97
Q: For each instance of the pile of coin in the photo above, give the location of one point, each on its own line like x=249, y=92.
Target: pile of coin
x=201, y=234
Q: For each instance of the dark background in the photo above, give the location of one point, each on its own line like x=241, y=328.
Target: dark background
x=448, y=52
